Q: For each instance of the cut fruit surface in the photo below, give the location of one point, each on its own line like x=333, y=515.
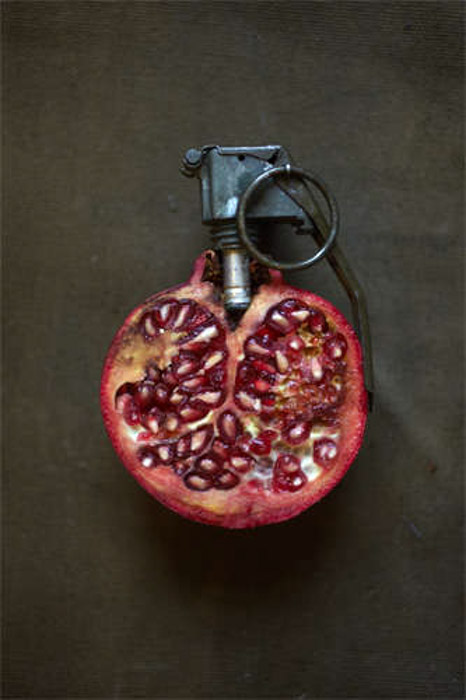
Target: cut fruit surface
x=235, y=427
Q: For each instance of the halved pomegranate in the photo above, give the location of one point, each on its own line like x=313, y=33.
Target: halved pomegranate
x=235, y=427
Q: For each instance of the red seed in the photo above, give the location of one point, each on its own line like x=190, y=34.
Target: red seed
x=278, y=322
x=154, y=420
x=191, y=413
x=229, y=427
x=317, y=322
x=335, y=347
x=181, y=319
x=172, y=422
x=126, y=405
x=290, y=483
x=197, y=481
x=147, y=458
x=262, y=444
x=161, y=393
x=265, y=370
x=287, y=464
x=165, y=452
x=288, y=475
x=201, y=438
x=185, y=364
x=220, y=448
x=226, y=480
x=164, y=312
x=255, y=346
x=325, y=452
x=208, y=464
x=144, y=394
x=297, y=432
x=149, y=326
x=241, y=463
x=202, y=336
x=212, y=359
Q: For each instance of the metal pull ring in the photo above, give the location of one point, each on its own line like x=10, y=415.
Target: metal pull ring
x=241, y=218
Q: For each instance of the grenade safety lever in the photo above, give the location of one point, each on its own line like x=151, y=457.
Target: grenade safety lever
x=236, y=206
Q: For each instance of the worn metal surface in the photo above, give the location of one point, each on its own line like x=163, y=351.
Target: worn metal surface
x=106, y=593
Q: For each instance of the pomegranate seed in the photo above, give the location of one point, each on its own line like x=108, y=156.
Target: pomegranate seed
x=165, y=452
x=178, y=397
x=261, y=386
x=248, y=402
x=300, y=315
x=201, y=438
x=265, y=370
x=149, y=326
x=297, y=432
x=287, y=474
x=169, y=378
x=164, y=312
x=190, y=413
x=296, y=343
x=161, y=393
x=335, y=347
x=144, y=394
x=229, y=426
x=246, y=373
x=316, y=369
x=213, y=359
x=192, y=384
x=220, y=448
x=266, y=335
x=253, y=347
x=201, y=335
x=180, y=468
x=198, y=482
x=241, y=463
x=212, y=398
x=281, y=362
x=278, y=322
x=287, y=464
x=208, y=464
x=325, y=451
x=226, y=480
x=126, y=405
x=172, y=422
x=183, y=446
x=185, y=364
x=184, y=315
x=287, y=315
x=317, y=322
x=262, y=444
x=337, y=382
x=289, y=483
x=147, y=458
x=268, y=401
x=154, y=420
x=331, y=395
x=243, y=443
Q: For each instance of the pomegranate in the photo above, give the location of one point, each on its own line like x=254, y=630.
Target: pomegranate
x=235, y=426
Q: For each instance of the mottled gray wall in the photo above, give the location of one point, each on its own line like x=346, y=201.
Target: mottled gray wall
x=107, y=594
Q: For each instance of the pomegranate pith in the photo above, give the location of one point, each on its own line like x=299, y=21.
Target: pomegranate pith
x=242, y=427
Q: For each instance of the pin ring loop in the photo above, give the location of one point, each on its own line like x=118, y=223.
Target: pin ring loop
x=303, y=175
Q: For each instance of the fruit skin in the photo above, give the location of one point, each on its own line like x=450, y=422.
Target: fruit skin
x=246, y=506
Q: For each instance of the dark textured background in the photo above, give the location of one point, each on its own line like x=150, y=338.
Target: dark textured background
x=107, y=594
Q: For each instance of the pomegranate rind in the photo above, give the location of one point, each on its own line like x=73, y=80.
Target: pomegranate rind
x=247, y=505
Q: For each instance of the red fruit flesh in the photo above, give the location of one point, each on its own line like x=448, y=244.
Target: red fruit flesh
x=242, y=427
